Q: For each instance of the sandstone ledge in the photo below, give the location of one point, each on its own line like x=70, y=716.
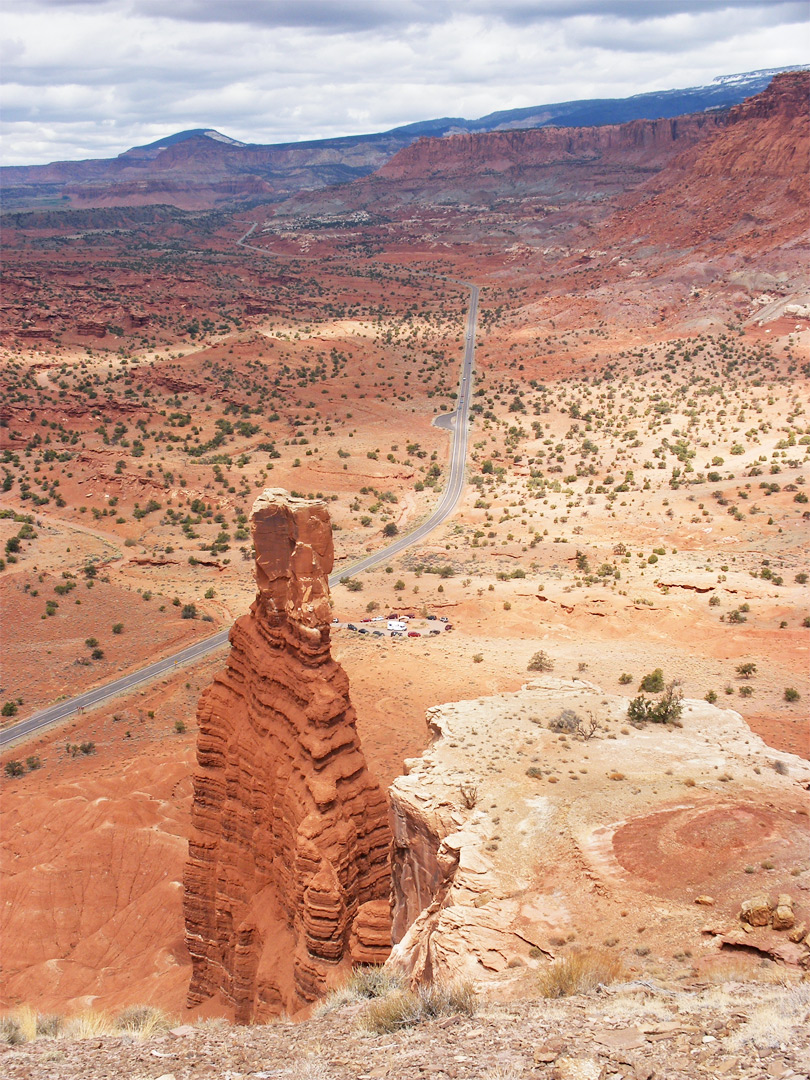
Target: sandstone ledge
x=514, y=844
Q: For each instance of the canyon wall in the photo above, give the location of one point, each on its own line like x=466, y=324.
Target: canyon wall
x=288, y=876
x=641, y=142
x=740, y=192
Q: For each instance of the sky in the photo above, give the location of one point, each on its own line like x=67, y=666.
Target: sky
x=91, y=78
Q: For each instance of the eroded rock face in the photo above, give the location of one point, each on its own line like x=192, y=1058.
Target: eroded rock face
x=288, y=859
x=514, y=844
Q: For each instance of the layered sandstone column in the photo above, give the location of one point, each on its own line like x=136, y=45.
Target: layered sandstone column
x=288, y=870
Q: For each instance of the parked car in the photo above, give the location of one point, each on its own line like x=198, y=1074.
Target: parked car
x=351, y=626
x=336, y=619
x=414, y=633
x=377, y=633
x=363, y=630
x=449, y=626
x=435, y=631
x=397, y=633
x=432, y=618
x=443, y=618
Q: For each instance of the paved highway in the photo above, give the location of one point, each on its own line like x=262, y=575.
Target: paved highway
x=457, y=423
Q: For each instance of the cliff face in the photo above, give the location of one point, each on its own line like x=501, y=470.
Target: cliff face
x=741, y=189
x=639, y=142
x=288, y=861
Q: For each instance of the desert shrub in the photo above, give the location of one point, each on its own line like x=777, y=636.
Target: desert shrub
x=10, y=1031
x=791, y=694
x=667, y=710
x=9, y=708
x=15, y=768
x=567, y=721
x=579, y=973
x=364, y=984
x=143, y=1020
x=179, y=727
x=49, y=1024
x=625, y=678
x=397, y=1010
x=24, y=1025
x=653, y=683
x=118, y=628
x=189, y=611
x=541, y=661
x=405, y=1008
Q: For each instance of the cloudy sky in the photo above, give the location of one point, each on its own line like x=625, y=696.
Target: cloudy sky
x=90, y=78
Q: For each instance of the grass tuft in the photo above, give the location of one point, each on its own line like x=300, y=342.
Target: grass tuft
x=142, y=1020
x=406, y=1008
x=89, y=1025
x=579, y=973
x=364, y=984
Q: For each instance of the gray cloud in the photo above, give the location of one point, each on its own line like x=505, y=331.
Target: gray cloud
x=93, y=77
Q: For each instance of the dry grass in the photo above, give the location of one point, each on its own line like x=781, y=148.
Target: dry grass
x=364, y=984
x=24, y=1025
x=405, y=1008
x=579, y=973
x=775, y=1021
x=143, y=1020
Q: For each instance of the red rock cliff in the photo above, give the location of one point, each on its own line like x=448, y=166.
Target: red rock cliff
x=742, y=190
x=639, y=143
x=288, y=871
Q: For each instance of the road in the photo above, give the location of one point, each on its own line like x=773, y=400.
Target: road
x=457, y=423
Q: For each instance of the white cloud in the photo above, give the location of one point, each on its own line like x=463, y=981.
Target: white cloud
x=93, y=77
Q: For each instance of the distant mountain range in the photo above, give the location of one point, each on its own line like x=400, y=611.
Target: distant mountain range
x=202, y=169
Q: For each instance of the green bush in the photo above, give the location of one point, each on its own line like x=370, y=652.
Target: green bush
x=541, y=661
x=653, y=683
x=667, y=710
x=791, y=694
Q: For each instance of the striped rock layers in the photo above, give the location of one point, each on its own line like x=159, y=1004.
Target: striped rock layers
x=288, y=875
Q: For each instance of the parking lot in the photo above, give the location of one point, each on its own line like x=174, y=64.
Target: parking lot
x=395, y=625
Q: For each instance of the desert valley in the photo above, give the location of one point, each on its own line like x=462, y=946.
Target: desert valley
x=569, y=726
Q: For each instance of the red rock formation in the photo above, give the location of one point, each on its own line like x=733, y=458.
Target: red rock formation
x=636, y=143
x=744, y=188
x=289, y=852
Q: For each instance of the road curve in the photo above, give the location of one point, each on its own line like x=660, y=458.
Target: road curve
x=457, y=423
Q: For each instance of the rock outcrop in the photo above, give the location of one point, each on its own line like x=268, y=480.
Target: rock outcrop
x=514, y=844
x=288, y=860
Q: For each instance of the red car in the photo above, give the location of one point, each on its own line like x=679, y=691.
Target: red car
x=414, y=633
